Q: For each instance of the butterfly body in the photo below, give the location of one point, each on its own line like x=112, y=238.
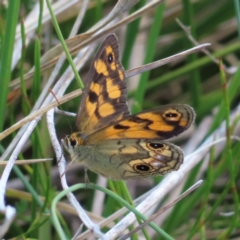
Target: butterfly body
x=109, y=140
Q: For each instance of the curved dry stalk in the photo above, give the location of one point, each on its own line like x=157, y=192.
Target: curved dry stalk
x=10, y=213
x=161, y=210
x=61, y=165
x=150, y=66
x=29, y=161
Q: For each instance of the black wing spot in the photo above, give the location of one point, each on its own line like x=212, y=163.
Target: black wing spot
x=156, y=145
x=170, y=115
x=110, y=58
x=93, y=97
x=119, y=126
x=142, y=168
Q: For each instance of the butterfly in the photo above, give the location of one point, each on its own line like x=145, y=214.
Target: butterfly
x=112, y=142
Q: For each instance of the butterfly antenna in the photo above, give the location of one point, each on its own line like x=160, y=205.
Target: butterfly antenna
x=68, y=166
x=69, y=124
x=61, y=110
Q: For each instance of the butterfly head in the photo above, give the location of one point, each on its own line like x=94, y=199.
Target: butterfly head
x=72, y=141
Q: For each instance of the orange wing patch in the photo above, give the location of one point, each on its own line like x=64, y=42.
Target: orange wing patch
x=113, y=90
x=101, y=67
x=121, y=75
x=106, y=109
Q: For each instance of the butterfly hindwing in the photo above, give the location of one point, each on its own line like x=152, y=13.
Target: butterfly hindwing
x=105, y=95
x=131, y=158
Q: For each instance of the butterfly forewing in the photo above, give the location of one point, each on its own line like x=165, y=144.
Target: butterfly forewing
x=160, y=123
x=105, y=96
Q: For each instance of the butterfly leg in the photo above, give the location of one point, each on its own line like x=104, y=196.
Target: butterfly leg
x=86, y=177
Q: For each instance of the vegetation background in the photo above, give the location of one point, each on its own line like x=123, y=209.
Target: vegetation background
x=212, y=210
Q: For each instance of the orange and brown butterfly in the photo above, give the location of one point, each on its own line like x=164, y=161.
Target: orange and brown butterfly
x=112, y=142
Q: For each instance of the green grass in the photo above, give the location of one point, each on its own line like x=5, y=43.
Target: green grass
x=211, y=211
